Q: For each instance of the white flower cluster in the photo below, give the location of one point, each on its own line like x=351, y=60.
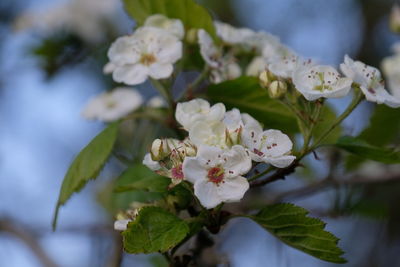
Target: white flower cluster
x=150, y=51
x=218, y=152
x=311, y=80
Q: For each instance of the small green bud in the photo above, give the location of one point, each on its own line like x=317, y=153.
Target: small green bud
x=159, y=149
x=277, y=89
x=191, y=36
x=264, y=79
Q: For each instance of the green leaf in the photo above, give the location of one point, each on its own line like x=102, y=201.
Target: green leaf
x=362, y=149
x=383, y=129
x=291, y=224
x=154, y=230
x=192, y=15
x=87, y=165
x=141, y=178
x=246, y=94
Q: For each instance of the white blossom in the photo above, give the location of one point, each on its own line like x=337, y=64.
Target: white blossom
x=270, y=146
x=230, y=34
x=217, y=174
x=209, y=133
x=211, y=54
x=111, y=106
x=227, y=71
x=284, y=66
x=167, y=155
x=121, y=225
x=256, y=66
x=391, y=70
x=370, y=81
x=149, y=51
x=173, y=26
x=318, y=81
x=188, y=113
x=222, y=67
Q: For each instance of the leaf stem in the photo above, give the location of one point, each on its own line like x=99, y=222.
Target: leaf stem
x=164, y=92
x=354, y=103
x=269, y=169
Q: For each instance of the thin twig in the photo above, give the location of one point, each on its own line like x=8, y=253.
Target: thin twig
x=9, y=226
x=278, y=175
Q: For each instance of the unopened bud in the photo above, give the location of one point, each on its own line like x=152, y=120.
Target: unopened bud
x=395, y=19
x=277, y=89
x=191, y=36
x=159, y=149
x=266, y=78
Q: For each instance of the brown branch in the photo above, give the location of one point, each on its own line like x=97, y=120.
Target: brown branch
x=9, y=226
x=328, y=182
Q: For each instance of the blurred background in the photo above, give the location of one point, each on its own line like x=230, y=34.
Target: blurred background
x=51, y=58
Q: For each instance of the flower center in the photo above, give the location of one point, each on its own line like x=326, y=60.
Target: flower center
x=325, y=80
x=147, y=59
x=216, y=175
x=177, y=172
x=110, y=104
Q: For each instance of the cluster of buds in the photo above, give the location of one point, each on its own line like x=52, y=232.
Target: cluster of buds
x=276, y=87
x=169, y=154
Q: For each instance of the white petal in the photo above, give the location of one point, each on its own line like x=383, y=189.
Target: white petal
x=256, y=66
x=170, y=51
x=193, y=169
x=109, y=68
x=121, y=51
x=207, y=194
x=233, y=119
x=280, y=162
x=233, y=189
x=238, y=161
x=186, y=112
x=150, y=163
x=208, y=133
x=276, y=143
x=208, y=49
x=173, y=26
x=160, y=71
x=210, y=154
x=121, y=225
x=131, y=74
x=217, y=112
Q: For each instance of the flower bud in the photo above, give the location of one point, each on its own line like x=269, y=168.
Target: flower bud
x=159, y=149
x=277, y=89
x=395, y=19
x=191, y=36
x=265, y=78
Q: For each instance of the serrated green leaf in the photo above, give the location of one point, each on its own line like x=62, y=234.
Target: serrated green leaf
x=362, y=149
x=154, y=230
x=87, y=165
x=291, y=224
x=141, y=178
x=192, y=15
x=246, y=94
